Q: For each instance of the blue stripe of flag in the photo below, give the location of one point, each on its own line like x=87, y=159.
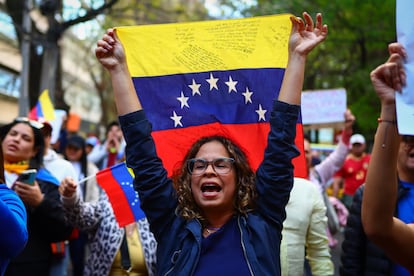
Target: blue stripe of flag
x=222, y=105
x=39, y=110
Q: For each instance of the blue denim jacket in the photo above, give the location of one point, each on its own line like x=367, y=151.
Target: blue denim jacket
x=179, y=241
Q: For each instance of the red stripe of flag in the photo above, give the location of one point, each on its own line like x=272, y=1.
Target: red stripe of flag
x=117, y=197
x=247, y=135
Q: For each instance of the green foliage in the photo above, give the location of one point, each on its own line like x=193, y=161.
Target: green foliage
x=359, y=32
x=155, y=12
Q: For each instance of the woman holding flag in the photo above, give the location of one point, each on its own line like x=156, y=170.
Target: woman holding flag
x=113, y=250
x=221, y=218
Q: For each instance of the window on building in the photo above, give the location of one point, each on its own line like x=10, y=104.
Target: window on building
x=9, y=82
x=6, y=27
x=9, y=79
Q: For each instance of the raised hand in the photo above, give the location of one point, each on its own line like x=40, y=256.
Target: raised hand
x=349, y=119
x=109, y=51
x=390, y=76
x=306, y=35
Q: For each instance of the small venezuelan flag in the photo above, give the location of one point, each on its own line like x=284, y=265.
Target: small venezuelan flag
x=117, y=182
x=43, y=109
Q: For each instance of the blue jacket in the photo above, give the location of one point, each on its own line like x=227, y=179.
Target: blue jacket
x=179, y=241
x=359, y=255
x=13, y=233
x=45, y=224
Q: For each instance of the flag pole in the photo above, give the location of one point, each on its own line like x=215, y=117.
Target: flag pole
x=86, y=179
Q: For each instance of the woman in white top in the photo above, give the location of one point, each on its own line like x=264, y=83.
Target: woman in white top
x=75, y=153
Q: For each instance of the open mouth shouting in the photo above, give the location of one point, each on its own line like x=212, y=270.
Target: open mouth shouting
x=210, y=189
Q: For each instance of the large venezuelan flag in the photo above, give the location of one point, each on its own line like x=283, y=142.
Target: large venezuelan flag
x=117, y=182
x=212, y=77
x=43, y=109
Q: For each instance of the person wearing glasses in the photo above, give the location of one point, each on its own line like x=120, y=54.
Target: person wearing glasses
x=391, y=165
x=23, y=147
x=216, y=216
x=13, y=238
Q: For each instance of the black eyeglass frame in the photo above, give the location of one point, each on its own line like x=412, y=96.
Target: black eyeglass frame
x=214, y=164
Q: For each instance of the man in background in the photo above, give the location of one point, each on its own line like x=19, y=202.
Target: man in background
x=304, y=232
x=353, y=172
x=112, y=150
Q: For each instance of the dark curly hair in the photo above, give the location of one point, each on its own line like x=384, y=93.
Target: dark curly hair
x=245, y=196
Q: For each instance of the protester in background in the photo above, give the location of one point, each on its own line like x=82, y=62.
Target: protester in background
x=109, y=245
x=392, y=162
x=23, y=148
x=54, y=162
x=59, y=168
x=353, y=172
x=91, y=142
x=13, y=221
x=359, y=255
x=75, y=153
x=210, y=224
x=322, y=173
x=304, y=232
x=60, y=144
x=112, y=150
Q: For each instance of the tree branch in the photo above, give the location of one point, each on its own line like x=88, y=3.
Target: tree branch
x=92, y=13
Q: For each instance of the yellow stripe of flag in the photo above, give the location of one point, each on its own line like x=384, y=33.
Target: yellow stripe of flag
x=47, y=106
x=207, y=45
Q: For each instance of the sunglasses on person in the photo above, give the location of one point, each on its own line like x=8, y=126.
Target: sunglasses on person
x=197, y=166
x=28, y=121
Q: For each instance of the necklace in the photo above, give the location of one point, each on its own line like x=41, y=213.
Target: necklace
x=211, y=230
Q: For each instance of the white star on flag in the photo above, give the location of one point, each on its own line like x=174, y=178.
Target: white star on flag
x=183, y=100
x=247, y=96
x=213, y=82
x=131, y=186
x=231, y=84
x=176, y=119
x=195, y=87
x=200, y=88
x=261, y=112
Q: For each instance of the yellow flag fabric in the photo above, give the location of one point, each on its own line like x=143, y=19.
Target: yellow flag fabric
x=258, y=42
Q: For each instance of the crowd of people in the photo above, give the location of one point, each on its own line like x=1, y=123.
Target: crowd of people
x=215, y=207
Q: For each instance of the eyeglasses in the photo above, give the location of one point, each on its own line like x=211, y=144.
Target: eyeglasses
x=198, y=166
x=32, y=123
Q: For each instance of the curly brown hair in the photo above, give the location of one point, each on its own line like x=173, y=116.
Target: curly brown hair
x=244, y=198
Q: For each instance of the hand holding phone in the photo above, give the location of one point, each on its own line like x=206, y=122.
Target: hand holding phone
x=27, y=176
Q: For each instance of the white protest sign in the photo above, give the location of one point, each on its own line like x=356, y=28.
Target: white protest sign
x=405, y=100
x=60, y=116
x=323, y=106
